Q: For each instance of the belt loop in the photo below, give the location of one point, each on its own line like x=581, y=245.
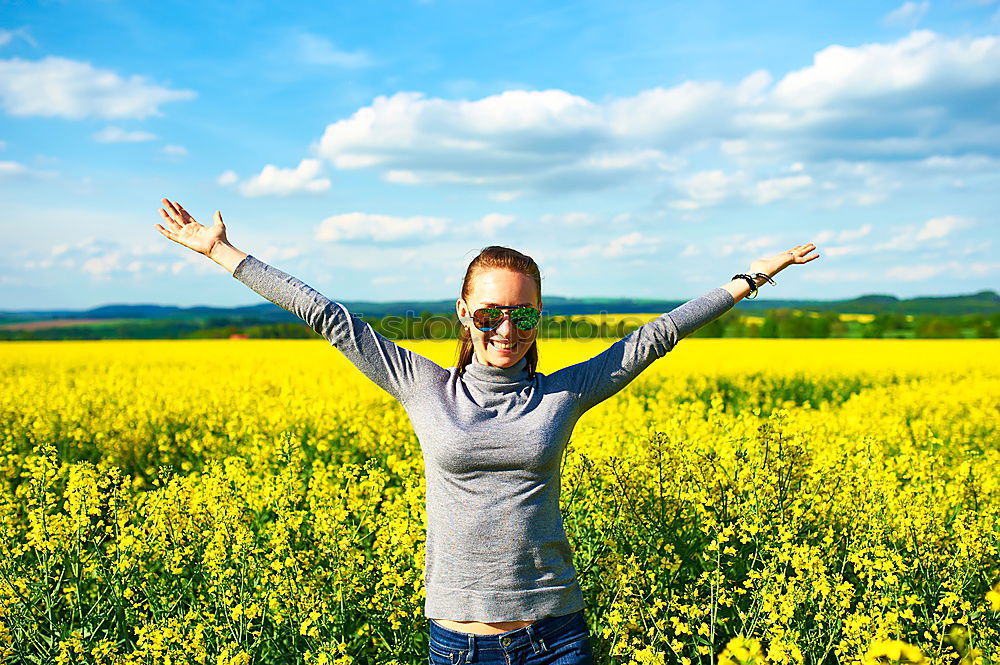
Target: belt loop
x=472, y=649
x=531, y=638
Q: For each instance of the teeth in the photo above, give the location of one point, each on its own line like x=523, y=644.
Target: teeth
x=503, y=345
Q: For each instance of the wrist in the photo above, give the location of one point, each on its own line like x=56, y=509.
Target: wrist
x=226, y=255
x=770, y=271
x=215, y=249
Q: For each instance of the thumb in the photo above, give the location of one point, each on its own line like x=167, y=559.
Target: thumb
x=218, y=219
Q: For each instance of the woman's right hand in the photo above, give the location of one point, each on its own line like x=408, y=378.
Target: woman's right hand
x=182, y=228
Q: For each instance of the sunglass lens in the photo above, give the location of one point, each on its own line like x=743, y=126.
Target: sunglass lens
x=487, y=318
x=525, y=318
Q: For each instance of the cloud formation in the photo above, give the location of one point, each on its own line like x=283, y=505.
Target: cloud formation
x=318, y=50
x=274, y=181
x=923, y=95
x=908, y=14
x=380, y=228
x=59, y=87
x=8, y=36
x=418, y=229
x=518, y=139
x=11, y=170
x=175, y=151
x=118, y=135
x=928, y=235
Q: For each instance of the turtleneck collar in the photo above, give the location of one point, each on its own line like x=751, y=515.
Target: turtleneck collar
x=516, y=374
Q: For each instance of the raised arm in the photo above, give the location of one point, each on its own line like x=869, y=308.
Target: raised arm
x=605, y=374
x=396, y=370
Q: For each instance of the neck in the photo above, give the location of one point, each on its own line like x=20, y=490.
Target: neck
x=515, y=375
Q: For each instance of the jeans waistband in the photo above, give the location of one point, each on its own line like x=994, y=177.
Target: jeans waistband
x=535, y=636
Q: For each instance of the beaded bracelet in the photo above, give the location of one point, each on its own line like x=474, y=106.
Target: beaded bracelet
x=753, y=284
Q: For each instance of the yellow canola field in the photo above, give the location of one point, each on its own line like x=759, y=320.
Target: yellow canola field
x=640, y=318
x=258, y=501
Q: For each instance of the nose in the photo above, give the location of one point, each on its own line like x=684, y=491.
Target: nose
x=506, y=328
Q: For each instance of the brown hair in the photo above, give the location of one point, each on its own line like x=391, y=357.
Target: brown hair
x=505, y=258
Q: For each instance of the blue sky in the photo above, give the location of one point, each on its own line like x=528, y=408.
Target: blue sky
x=371, y=149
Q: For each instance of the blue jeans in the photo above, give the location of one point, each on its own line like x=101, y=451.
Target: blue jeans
x=563, y=640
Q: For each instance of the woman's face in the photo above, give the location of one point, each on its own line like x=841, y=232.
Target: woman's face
x=500, y=287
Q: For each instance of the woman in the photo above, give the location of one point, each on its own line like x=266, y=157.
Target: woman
x=499, y=577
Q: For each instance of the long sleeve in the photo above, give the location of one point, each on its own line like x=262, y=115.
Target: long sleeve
x=605, y=374
x=396, y=370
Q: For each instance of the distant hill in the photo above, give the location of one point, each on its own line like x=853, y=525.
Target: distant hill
x=983, y=302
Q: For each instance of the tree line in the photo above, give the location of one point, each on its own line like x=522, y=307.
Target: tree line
x=777, y=323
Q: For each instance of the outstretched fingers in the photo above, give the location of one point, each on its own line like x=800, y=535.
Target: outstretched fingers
x=186, y=217
x=801, y=251
x=162, y=230
x=172, y=224
x=176, y=213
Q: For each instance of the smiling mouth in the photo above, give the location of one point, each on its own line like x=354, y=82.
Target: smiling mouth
x=503, y=345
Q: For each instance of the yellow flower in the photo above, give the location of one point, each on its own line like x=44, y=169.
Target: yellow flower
x=993, y=597
x=894, y=651
x=742, y=651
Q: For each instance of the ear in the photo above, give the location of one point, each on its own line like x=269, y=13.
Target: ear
x=461, y=310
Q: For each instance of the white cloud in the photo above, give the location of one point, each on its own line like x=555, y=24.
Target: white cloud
x=905, y=98
x=274, y=181
x=11, y=170
x=385, y=228
x=317, y=50
x=907, y=238
x=517, y=140
x=776, y=189
x=103, y=259
x=849, y=234
x=914, y=273
x=59, y=87
x=969, y=163
x=860, y=183
x=711, y=187
x=981, y=268
x=571, y=219
x=845, y=235
x=118, y=135
x=227, y=178
x=272, y=253
x=908, y=14
x=175, y=151
x=742, y=243
x=930, y=233
x=939, y=227
x=629, y=244
x=494, y=222
x=99, y=267
x=8, y=36
x=919, y=70
x=714, y=187
x=505, y=197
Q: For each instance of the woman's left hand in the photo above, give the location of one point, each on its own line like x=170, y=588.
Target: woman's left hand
x=775, y=264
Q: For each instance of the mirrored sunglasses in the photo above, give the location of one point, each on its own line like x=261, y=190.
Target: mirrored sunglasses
x=488, y=319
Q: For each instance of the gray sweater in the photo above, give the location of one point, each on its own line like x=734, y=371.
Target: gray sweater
x=492, y=441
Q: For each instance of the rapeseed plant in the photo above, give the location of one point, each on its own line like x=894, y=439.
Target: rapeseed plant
x=721, y=508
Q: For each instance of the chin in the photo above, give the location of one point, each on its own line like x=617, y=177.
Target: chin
x=505, y=361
